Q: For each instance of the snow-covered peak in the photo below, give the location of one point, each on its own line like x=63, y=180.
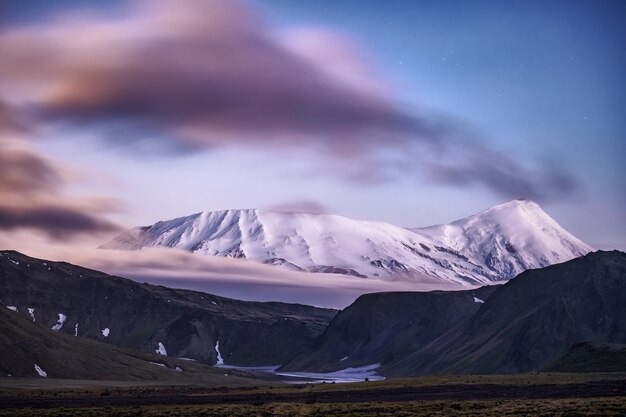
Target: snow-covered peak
x=509, y=238
x=495, y=244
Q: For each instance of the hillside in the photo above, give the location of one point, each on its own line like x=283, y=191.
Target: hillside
x=519, y=326
x=384, y=327
x=29, y=350
x=181, y=323
x=591, y=357
x=531, y=320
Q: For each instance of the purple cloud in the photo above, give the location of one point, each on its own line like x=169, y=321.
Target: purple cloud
x=201, y=74
x=30, y=197
x=300, y=206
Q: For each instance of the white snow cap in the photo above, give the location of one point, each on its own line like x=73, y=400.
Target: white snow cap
x=496, y=244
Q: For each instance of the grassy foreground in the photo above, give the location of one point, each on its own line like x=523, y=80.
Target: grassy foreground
x=542, y=394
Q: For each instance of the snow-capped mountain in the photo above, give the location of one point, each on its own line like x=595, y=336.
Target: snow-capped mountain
x=493, y=245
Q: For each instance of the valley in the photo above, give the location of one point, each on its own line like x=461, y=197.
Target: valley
x=76, y=341
x=589, y=394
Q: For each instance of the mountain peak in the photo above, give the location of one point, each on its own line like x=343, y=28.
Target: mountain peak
x=520, y=203
x=493, y=245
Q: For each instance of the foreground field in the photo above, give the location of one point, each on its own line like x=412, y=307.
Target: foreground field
x=526, y=394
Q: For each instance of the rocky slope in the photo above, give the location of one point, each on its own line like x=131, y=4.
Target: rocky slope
x=29, y=350
x=77, y=301
x=531, y=320
x=521, y=326
x=494, y=245
x=385, y=327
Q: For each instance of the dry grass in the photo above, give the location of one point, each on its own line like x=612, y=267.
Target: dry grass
x=348, y=399
x=606, y=406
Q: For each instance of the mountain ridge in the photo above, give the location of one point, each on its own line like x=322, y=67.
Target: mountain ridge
x=522, y=325
x=507, y=239
x=31, y=350
x=78, y=301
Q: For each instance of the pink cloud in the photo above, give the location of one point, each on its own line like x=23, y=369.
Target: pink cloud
x=237, y=278
x=193, y=75
x=31, y=197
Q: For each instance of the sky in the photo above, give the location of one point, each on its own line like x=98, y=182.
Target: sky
x=116, y=114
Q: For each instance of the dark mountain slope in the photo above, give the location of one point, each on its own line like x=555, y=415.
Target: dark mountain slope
x=384, y=327
x=24, y=344
x=529, y=321
x=140, y=316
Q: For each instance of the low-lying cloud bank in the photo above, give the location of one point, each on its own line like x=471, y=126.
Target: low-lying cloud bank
x=235, y=278
x=195, y=75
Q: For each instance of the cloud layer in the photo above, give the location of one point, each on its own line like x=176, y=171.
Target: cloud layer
x=31, y=198
x=237, y=278
x=194, y=75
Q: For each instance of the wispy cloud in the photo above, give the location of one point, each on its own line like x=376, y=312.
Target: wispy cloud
x=31, y=196
x=238, y=278
x=300, y=206
x=194, y=75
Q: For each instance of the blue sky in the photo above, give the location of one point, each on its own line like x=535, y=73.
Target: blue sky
x=539, y=84
x=540, y=79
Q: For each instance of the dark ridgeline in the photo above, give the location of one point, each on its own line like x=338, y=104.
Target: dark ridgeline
x=139, y=316
x=528, y=324
x=522, y=326
x=385, y=327
x=24, y=344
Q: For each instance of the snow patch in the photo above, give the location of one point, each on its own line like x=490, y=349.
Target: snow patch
x=220, y=360
x=76, y=329
x=12, y=308
x=40, y=371
x=343, y=359
x=357, y=374
x=161, y=350
x=31, y=312
x=158, y=364
x=178, y=369
x=15, y=262
x=59, y=325
x=478, y=300
x=105, y=332
x=343, y=375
